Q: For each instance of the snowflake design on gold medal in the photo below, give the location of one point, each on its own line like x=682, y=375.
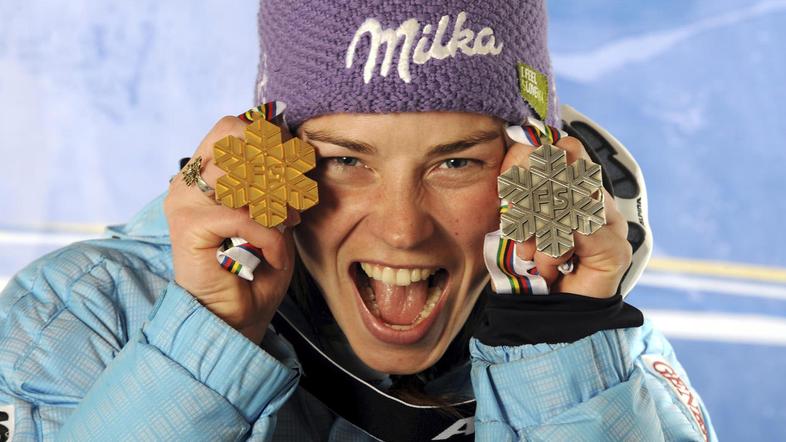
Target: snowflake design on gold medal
x=265, y=173
x=551, y=200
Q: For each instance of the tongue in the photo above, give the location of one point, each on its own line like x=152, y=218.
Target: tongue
x=400, y=305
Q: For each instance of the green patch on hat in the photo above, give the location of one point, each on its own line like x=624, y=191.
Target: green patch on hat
x=534, y=88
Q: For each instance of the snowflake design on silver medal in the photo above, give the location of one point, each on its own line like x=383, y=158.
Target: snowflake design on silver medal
x=551, y=200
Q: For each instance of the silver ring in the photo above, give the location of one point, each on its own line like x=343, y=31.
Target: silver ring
x=191, y=176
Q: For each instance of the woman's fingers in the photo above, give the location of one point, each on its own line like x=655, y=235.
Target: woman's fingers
x=548, y=267
x=198, y=225
x=226, y=126
x=599, y=273
x=526, y=250
x=614, y=218
x=517, y=155
x=218, y=222
x=573, y=149
x=268, y=278
x=601, y=257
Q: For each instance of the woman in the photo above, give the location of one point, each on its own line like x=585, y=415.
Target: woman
x=146, y=335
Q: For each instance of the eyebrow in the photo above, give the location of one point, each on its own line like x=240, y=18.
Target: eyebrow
x=452, y=147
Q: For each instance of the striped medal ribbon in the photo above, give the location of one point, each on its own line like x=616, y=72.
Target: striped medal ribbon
x=236, y=255
x=509, y=273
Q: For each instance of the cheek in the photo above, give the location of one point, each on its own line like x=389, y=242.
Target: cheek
x=324, y=226
x=473, y=212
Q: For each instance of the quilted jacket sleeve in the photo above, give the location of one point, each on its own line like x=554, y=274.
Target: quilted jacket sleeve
x=620, y=384
x=68, y=371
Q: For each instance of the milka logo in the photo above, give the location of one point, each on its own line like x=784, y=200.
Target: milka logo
x=462, y=39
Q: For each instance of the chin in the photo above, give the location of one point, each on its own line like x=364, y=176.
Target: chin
x=396, y=363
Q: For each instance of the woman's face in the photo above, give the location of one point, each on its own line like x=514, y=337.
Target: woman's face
x=396, y=241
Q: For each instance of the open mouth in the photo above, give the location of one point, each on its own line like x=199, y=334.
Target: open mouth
x=400, y=303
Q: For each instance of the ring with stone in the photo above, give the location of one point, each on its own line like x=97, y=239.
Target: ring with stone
x=191, y=176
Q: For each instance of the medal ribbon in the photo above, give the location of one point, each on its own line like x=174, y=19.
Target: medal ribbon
x=236, y=255
x=509, y=273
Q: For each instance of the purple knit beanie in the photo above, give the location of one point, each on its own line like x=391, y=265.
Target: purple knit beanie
x=379, y=56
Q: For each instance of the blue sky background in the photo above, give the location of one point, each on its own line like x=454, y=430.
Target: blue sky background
x=98, y=101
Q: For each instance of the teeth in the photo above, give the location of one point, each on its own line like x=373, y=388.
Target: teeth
x=433, y=296
x=400, y=277
x=388, y=276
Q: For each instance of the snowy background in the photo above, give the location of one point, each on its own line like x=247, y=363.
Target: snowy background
x=98, y=101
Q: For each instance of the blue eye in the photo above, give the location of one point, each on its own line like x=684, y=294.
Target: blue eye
x=455, y=163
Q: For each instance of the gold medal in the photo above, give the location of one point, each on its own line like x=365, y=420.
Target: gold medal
x=265, y=173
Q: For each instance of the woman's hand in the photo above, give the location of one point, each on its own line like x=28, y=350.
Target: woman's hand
x=198, y=225
x=602, y=257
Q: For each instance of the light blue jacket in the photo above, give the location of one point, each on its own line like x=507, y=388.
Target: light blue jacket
x=97, y=343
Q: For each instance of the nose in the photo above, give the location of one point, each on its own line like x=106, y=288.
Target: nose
x=402, y=219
